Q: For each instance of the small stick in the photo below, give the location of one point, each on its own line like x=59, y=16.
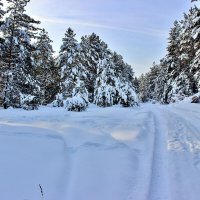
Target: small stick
x=41, y=191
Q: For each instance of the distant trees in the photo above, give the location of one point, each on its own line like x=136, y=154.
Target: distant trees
x=178, y=74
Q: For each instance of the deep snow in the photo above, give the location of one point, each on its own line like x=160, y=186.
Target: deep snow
x=151, y=152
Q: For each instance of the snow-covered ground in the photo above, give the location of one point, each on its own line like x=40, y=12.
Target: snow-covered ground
x=147, y=153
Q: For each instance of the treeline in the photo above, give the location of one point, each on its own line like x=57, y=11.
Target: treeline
x=178, y=73
x=82, y=73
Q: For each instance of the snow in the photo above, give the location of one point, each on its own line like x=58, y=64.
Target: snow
x=149, y=152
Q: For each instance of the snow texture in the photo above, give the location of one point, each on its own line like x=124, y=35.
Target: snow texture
x=149, y=152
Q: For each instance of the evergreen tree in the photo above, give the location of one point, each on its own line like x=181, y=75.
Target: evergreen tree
x=181, y=82
x=46, y=73
x=178, y=73
x=18, y=30
x=143, y=92
x=112, y=86
x=105, y=93
x=79, y=100
x=136, y=84
x=2, y=12
x=152, y=81
x=92, y=51
x=160, y=80
x=195, y=66
x=72, y=70
x=173, y=61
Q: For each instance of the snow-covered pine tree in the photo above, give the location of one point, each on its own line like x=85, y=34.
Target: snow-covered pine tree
x=188, y=51
x=79, y=100
x=143, y=92
x=136, y=84
x=179, y=72
x=46, y=71
x=112, y=86
x=182, y=82
x=92, y=50
x=126, y=92
x=105, y=93
x=20, y=89
x=2, y=12
x=66, y=61
x=152, y=81
x=160, y=80
x=173, y=61
x=195, y=66
x=72, y=71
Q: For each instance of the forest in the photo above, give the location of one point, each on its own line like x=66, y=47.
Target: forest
x=88, y=71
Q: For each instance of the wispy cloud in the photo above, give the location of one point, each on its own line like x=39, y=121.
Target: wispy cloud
x=136, y=29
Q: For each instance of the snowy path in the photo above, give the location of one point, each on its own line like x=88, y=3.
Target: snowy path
x=146, y=153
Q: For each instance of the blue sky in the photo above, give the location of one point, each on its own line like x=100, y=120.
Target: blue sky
x=138, y=30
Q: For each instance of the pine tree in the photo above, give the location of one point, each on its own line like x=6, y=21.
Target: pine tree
x=105, y=93
x=46, y=72
x=2, y=12
x=92, y=51
x=195, y=66
x=152, y=81
x=69, y=63
x=143, y=92
x=173, y=61
x=160, y=80
x=125, y=86
x=79, y=100
x=112, y=86
x=18, y=30
x=136, y=84
x=72, y=70
x=183, y=83
x=178, y=73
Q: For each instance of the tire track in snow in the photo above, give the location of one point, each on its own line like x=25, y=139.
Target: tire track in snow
x=144, y=145
x=185, y=136
x=159, y=183
x=184, y=155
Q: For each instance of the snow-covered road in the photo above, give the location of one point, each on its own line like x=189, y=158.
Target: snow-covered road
x=147, y=153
